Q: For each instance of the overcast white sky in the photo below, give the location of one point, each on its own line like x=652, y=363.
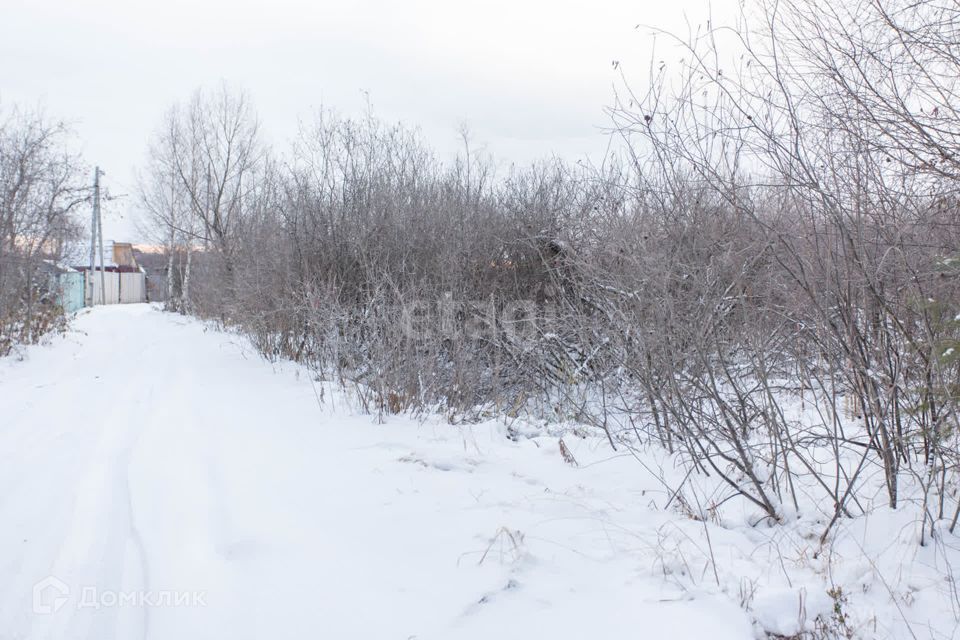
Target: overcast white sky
x=530, y=78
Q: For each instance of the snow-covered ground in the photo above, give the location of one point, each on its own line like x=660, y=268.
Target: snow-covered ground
x=159, y=480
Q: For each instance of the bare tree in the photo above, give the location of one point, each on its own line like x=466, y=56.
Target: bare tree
x=39, y=190
x=201, y=173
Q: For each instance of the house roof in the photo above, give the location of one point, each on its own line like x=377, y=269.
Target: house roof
x=78, y=255
x=123, y=254
x=116, y=256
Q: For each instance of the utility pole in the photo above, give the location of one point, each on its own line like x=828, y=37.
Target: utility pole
x=96, y=231
x=103, y=277
x=93, y=233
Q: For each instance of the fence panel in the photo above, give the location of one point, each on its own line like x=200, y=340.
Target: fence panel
x=111, y=281
x=132, y=288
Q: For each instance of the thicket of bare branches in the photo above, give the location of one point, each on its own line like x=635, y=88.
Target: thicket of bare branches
x=39, y=189
x=832, y=137
x=765, y=283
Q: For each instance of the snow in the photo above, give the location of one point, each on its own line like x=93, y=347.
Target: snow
x=206, y=470
x=159, y=469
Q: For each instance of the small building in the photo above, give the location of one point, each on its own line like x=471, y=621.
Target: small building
x=119, y=280
x=71, y=288
x=67, y=285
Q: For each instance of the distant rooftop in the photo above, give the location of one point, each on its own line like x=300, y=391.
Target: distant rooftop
x=115, y=255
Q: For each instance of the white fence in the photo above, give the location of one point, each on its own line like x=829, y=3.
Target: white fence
x=133, y=287
x=120, y=288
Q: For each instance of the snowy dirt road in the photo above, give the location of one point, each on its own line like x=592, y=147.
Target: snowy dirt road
x=159, y=480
